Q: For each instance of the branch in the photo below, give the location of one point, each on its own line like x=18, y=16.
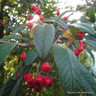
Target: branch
x=20, y=44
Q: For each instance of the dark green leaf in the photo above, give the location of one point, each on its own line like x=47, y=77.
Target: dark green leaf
x=68, y=68
x=92, y=14
x=31, y=56
x=43, y=37
x=5, y=49
x=48, y=20
x=88, y=82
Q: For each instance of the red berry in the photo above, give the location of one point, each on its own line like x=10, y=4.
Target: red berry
x=27, y=76
x=45, y=67
x=48, y=81
x=41, y=18
x=30, y=83
x=38, y=88
x=29, y=25
x=82, y=44
x=36, y=8
x=61, y=28
x=39, y=80
x=76, y=52
x=33, y=7
x=65, y=18
x=80, y=48
x=38, y=11
x=30, y=17
x=58, y=13
x=22, y=56
x=80, y=34
x=18, y=74
x=2, y=23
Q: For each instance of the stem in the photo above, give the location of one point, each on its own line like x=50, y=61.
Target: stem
x=38, y=68
x=20, y=44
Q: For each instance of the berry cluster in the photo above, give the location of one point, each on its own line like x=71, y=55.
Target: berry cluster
x=80, y=48
x=39, y=81
x=37, y=11
x=80, y=34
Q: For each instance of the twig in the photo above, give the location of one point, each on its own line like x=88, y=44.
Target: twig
x=20, y=44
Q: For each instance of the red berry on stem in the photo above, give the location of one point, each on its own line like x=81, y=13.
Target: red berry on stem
x=22, y=56
x=30, y=17
x=65, y=18
x=29, y=25
x=38, y=11
x=27, y=76
x=76, y=52
x=48, y=81
x=45, y=67
x=33, y=7
x=30, y=83
x=39, y=80
x=80, y=34
x=82, y=44
x=38, y=88
x=58, y=13
x=80, y=48
x=41, y=18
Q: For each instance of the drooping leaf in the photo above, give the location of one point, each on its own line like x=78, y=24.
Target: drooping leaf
x=83, y=19
x=91, y=43
x=89, y=37
x=84, y=27
x=88, y=83
x=31, y=56
x=43, y=37
x=91, y=54
x=5, y=49
x=49, y=20
x=68, y=68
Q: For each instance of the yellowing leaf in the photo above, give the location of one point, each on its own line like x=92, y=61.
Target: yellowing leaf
x=68, y=34
x=31, y=33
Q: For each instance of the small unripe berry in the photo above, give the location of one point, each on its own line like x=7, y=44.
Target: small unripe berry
x=41, y=18
x=45, y=67
x=38, y=88
x=33, y=7
x=80, y=34
x=22, y=56
x=38, y=80
x=27, y=76
x=65, y=18
x=48, y=81
x=30, y=17
x=58, y=13
x=30, y=83
x=29, y=25
x=76, y=52
x=80, y=48
x=18, y=74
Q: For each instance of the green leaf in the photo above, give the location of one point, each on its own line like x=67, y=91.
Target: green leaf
x=19, y=28
x=84, y=27
x=83, y=19
x=91, y=54
x=5, y=49
x=89, y=37
x=88, y=82
x=43, y=37
x=31, y=56
x=13, y=36
x=68, y=68
x=92, y=14
x=91, y=43
x=14, y=87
